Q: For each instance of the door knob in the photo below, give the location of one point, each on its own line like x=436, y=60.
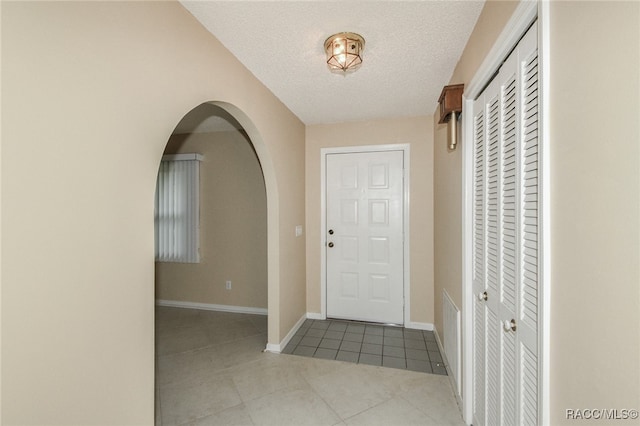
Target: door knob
x=330, y=244
x=330, y=231
x=510, y=325
x=483, y=296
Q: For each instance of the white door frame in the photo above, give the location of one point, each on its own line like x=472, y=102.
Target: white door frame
x=525, y=13
x=323, y=219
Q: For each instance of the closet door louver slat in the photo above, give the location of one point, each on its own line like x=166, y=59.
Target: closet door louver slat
x=530, y=188
x=479, y=328
x=529, y=279
x=493, y=156
x=510, y=232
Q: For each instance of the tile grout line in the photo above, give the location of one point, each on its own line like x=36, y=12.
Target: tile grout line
x=315, y=339
x=370, y=408
x=322, y=399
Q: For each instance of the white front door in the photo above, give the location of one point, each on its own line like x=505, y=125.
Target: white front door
x=364, y=241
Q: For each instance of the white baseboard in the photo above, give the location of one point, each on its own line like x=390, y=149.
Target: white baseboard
x=452, y=381
x=273, y=348
x=316, y=316
x=444, y=358
x=283, y=343
x=211, y=307
x=419, y=325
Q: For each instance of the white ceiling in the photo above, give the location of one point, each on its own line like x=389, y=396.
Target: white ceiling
x=411, y=50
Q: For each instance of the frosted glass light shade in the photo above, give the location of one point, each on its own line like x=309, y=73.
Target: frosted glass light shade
x=344, y=52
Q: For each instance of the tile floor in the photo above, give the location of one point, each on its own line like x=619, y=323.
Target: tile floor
x=372, y=344
x=211, y=370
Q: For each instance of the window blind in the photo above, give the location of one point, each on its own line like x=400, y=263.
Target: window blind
x=177, y=209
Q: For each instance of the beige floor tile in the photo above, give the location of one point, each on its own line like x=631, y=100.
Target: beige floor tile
x=266, y=376
x=404, y=380
x=184, y=402
x=234, y=416
x=436, y=400
x=265, y=359
x=240, y=351
x=186, y=366
x=311, y=368
x=232, y=331
x=291, y=407
x=158, y=409
x=395, y=411
x=167, y=318
x=351, y=390
x=260, y=322
x=181, y=339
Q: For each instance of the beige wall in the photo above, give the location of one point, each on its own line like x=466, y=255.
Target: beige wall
x=595, y=214
x=595, y=192
x=233, y=226
x=91, y=93
x=448, y=164
x=417, y=132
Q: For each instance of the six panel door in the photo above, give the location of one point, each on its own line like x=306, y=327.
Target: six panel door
x=364, y=241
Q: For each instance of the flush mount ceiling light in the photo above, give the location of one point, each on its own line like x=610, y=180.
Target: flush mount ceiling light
x=344, y=52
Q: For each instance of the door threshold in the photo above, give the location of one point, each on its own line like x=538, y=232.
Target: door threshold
x=381, y=324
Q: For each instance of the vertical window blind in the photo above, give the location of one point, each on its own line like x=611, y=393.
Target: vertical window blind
x=177, y=209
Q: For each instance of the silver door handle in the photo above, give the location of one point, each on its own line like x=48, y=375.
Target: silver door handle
x=509, y=325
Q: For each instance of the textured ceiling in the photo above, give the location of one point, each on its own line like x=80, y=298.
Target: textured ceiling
x=411, y=50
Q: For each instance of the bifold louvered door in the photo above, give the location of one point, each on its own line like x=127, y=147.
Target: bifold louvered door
x=505, y=242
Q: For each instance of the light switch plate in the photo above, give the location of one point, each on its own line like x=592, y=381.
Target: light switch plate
x=298, y=230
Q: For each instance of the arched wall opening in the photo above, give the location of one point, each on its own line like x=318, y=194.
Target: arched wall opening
x=87, y=270
x=203, y=285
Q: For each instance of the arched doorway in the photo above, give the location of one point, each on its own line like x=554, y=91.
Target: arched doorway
x=223, y=117
x=238, y=246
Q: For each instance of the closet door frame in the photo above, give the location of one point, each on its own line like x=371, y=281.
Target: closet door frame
x=523, y=16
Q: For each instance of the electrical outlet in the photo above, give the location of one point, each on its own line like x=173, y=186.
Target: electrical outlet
x=228, y=285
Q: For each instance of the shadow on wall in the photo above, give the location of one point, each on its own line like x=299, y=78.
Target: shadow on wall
x=232, y=272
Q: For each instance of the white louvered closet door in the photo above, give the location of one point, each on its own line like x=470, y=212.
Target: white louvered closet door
x=505, y=242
